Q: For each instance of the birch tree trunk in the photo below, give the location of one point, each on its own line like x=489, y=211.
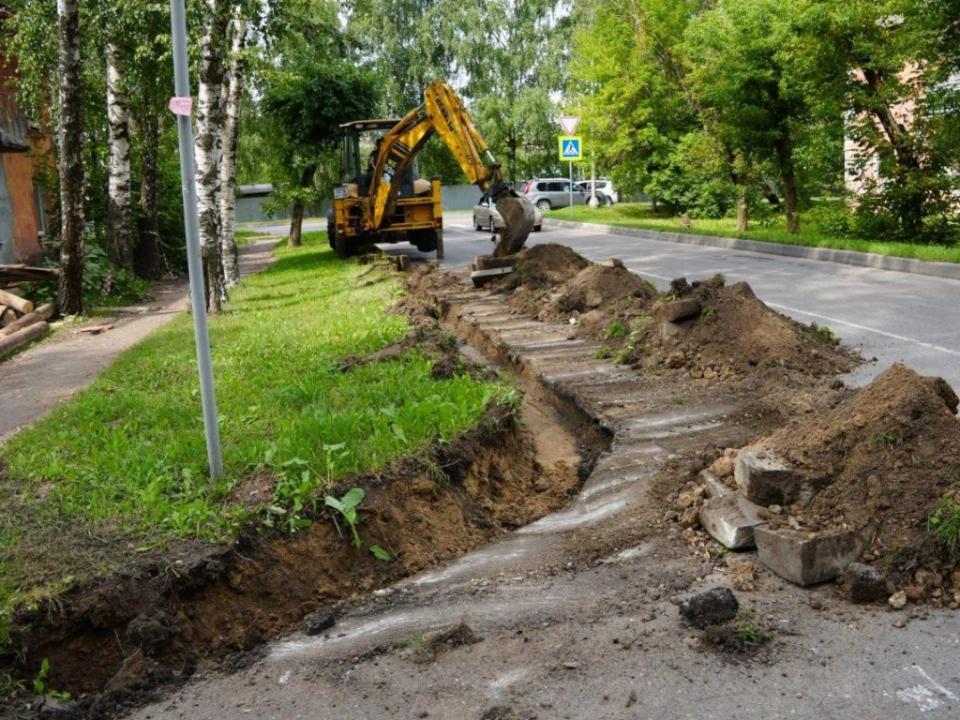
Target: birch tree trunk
x=209, y=118
x=70, y=295
x=147, y=256
x=228, y=165
x=120, y=202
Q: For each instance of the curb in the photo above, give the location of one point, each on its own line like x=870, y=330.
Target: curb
x=949, y=271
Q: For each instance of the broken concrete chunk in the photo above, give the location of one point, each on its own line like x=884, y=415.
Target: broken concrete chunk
x=670, y=330
x=677, y=310
x=712, y=607
x=808, y=558
x=864, y=584
x=765, y=479
x=715, y=487
x=731, y=519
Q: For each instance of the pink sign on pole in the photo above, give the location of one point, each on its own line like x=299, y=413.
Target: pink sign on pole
x=181, y=105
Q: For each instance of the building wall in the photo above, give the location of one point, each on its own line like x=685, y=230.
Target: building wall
x=23, y=226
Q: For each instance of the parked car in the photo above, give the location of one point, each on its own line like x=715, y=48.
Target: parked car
x=486, y=217
x=606, y=193
x=552, y=193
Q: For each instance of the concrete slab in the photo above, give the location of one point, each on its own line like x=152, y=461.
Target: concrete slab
x=731, y=519
x=765, y=478
x=806, y=558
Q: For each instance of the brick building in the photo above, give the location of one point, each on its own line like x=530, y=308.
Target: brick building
x=22, y=221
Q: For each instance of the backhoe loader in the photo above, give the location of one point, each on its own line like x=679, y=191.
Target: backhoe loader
x=386, y=201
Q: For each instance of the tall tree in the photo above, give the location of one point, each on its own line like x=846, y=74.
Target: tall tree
x=70, y=294
x=120, y=196
x=232, y=93
x=209, y=120
x=306, y=107
x=513, y=61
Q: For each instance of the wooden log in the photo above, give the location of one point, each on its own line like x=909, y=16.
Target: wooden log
x=18, y=303
x=44, y=312
x=22, y=337
x=24, y=273
x=95, y=329
x=7, y=315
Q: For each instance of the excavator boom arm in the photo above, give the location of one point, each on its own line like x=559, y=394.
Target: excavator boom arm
x=443, y=113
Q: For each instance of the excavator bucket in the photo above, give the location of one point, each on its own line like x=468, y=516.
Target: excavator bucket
x=518, y=220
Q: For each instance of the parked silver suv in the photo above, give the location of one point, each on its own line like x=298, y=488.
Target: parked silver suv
x=606, y=193
x=551, y=193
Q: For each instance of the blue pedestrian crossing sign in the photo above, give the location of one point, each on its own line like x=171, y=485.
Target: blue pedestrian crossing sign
x=571, y=148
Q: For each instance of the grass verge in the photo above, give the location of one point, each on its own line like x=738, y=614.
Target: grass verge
x=120, y=468
x=641, y=215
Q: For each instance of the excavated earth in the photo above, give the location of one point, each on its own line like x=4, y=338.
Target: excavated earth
x=600, y=484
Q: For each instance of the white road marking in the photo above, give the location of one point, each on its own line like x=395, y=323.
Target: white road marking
x=925, y=698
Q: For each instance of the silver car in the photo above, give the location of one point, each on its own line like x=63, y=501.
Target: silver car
x=606, y=193
x=486, y=217
x=551, y=193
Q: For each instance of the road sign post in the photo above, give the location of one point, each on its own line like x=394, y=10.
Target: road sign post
x=181, y=105
x=571, y=150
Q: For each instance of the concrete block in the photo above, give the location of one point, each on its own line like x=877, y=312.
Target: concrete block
x=677, y=310
x=731, y=519
x=670, y=330
x=765, y=479
x=808, y=558
x=715, y=487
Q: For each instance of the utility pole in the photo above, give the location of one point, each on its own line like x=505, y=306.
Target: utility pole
x=181, y=105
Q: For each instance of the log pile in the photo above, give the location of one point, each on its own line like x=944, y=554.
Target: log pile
x=20, y=321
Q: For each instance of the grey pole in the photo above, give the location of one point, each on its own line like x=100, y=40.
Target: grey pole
x=192, y=224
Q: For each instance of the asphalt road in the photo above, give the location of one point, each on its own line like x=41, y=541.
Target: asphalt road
x=892, y=316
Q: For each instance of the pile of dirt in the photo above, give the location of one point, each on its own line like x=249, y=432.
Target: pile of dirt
x=887, y=456
x=732, y=334
x=719, y=332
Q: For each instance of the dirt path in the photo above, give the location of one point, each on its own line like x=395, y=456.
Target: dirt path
x=35, y=381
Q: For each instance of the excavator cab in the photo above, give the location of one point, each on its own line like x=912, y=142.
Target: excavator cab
x=360, y=141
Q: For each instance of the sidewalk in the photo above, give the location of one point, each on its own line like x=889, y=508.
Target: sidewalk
x=35, y=381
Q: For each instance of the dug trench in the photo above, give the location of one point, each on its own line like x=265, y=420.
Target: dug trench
x=128, y=636
x=614, y=549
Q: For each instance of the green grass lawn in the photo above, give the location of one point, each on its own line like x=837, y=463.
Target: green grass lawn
x=121, y=467
x=640, y=215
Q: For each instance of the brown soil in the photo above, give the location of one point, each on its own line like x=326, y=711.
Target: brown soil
x=887, y=456
x=199, y=603
x=734, y=335
x=194, y=603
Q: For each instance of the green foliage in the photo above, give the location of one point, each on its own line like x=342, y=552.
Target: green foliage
x=615, y=330
x=750, y=633
x=944, y=524
x=824, y=334
x=347, y=509
x=40, y=683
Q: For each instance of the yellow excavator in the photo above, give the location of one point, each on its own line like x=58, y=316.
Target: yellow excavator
x=386, y=201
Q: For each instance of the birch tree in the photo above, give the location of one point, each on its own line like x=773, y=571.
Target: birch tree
x=120, y=198
x=70, y=294
x=233, y=91
x=209, y=120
